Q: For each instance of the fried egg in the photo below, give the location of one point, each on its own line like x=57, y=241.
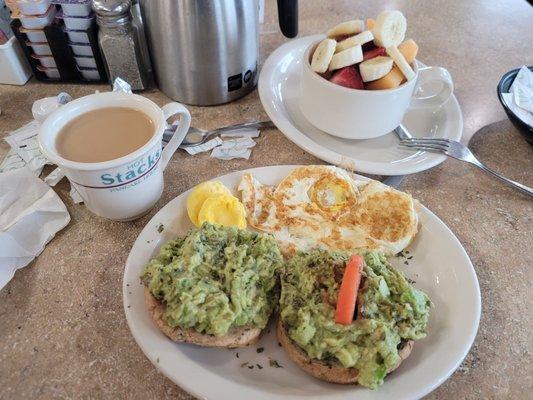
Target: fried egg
x=324, y=207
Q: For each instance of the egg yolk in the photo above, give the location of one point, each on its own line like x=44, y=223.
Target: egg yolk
x=199, y=194
x=222, y=209
x=330, y=194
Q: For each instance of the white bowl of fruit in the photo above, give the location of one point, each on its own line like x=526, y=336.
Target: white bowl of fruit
x=359, y=81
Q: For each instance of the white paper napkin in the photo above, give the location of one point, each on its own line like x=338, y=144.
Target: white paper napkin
x=12, y=161
x=31, y=214
x=524, y=115
x=522, y=89
x=520, y=96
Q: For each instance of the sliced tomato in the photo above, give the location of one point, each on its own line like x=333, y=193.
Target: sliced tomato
x=348, y=291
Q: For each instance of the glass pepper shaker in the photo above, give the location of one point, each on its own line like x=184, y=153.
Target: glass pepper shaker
x=122, y=44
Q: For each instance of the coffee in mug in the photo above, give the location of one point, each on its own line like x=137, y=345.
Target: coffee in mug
x=104, y=134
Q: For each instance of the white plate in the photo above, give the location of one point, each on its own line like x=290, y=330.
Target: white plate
x=279, y=84
x=440, y=266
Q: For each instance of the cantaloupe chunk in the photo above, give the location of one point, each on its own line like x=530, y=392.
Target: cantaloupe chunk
x=395, y=78
x=370, y=22
x=390, y=81
x=409, y=49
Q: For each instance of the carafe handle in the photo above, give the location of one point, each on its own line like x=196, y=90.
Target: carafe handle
x=288, y=17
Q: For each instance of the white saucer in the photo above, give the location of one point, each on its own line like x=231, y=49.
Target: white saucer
x=279, y=84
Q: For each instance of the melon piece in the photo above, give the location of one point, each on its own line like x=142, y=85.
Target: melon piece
x=375, y=52
x=370, y=22
x=390, y=81
x=395, y=78
x=409, y=49
x=348, y=77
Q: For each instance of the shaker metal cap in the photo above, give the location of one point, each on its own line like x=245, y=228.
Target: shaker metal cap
x=111, y=8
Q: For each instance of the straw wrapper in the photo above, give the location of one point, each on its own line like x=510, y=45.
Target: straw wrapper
x=230, y=145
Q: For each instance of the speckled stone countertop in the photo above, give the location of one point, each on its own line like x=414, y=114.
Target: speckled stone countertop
x=63, y=333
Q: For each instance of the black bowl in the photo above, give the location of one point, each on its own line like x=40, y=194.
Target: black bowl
x=503, y=87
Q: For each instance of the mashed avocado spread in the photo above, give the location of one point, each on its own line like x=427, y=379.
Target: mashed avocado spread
x=216, y=278
x=391, y=311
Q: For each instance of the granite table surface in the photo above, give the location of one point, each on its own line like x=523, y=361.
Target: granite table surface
x=63, y=333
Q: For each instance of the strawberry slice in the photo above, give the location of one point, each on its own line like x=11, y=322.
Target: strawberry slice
x=369, y=46
x=378, y=51
x=348, y=77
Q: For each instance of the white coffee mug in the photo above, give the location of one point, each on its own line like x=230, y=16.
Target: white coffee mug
x=364, y=114
x=127, y=187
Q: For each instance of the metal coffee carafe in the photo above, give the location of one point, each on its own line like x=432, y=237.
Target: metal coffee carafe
x=205, y=52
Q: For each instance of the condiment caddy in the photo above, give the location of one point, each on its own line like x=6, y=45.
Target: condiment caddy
x=61, y=43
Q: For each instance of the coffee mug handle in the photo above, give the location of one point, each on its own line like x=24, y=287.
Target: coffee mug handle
x=433, y=100
x=169, y=110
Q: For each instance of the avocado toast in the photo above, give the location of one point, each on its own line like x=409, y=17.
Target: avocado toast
x=390, y=315
x=215, y=287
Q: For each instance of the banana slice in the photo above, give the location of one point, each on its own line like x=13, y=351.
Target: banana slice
x=401, y=62
x=322, y=55
x=362, y=38
x=350, y=56
x=389, y=29
x=375, y=68
x=347, y=28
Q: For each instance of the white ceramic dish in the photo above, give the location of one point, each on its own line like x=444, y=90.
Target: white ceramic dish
x=365, y=114
x=85, y=62
x=45, y=61
x=34, y=35
x=82, y=49
x=33, y=7
x=36, y=21
x=41, y=49
x=77, y=36
x=440, y=266
x=76, y=9
x=279, y=88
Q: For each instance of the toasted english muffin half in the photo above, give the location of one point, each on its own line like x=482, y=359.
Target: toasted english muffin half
x=236, y=337
x=332, y=372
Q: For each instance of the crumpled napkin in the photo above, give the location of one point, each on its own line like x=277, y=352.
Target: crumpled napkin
x=520, y=96
x=24, y=144
x=31, y=213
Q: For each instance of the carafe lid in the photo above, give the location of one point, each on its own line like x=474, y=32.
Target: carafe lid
x=112, y=11
x=111, y=8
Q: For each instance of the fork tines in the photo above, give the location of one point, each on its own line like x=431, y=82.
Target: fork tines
x=440, y=145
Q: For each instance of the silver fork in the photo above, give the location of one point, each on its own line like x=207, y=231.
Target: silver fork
x=456, y=150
